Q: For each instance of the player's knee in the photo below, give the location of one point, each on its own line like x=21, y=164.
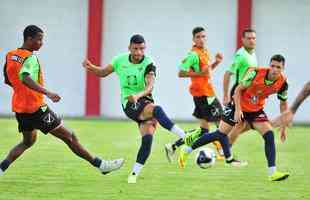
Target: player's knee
x=30, y=142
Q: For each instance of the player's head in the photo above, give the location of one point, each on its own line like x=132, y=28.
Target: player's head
x=249, y=38
x=33, y=37
x=137, y=47
x=277, y=63
x=199, y=36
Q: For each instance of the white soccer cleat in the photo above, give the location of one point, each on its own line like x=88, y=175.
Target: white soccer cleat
x=132, y=178
x=1, y=172
x=170, y=153
x=238, y=163
x=108, y=166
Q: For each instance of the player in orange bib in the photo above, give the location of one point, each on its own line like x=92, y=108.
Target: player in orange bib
x=23, y=72
x=250, y=97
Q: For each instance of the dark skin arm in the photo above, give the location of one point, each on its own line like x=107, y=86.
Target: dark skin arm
x=38, y=88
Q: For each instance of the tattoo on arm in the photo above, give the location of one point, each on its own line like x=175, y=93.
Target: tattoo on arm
x=305, y=92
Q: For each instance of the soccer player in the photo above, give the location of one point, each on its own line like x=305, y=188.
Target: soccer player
x=287, y=117
x=23, y=72
x=244, y=58
x=249, y=98
x=198, y=67
x=136, y=72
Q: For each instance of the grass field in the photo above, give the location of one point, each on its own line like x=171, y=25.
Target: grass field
x=49, y=171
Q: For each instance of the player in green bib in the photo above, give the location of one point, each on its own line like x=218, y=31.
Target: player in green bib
x=244, y=61
x=136, y=73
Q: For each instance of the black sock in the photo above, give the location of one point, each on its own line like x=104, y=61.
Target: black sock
x=177, y=143
x=5, y=164
x=96, y=162
x=145, y=149
x=160, y=115
x=205, y=139
x=223, y=139
x=270, y=148
x=204, y=130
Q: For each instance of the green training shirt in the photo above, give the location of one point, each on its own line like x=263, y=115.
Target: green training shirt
x=190, y=62
x=242, y=61
x=131, y=76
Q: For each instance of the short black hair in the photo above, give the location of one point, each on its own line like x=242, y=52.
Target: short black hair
x=31, y=31
x=137, y=39
x=197, y=29
x=247, y=30
x=278, y=58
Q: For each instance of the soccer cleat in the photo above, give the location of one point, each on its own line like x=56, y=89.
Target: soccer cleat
x=183, y=158
x=170, y=152
x=1, y=172
x=279, y=176
x=219, y=150
x=132, y=178
x=108, y=166
x=192, y=136
x=236, y=163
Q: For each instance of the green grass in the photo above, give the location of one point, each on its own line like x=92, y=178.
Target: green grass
x=50, y=171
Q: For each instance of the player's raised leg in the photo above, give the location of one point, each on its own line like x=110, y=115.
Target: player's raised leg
x=68, y=137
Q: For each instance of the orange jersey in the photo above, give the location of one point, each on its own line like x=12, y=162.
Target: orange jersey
x=201, y=86
x=253, y=98
x=24, y=100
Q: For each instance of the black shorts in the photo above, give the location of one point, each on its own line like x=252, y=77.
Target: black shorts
x=134, y=110
x=229, y=114
x=259, y=116
x=210, y=112
x=43, y=119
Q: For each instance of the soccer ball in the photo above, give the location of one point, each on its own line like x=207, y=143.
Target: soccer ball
x=205, y=157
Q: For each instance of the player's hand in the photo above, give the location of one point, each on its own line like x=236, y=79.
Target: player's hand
x=283, y=134
x=132, y=99
x=218, y=58
x=53, y=96
x=238, y=116
x=226, y=100
x=285, y=119
x=87, y=64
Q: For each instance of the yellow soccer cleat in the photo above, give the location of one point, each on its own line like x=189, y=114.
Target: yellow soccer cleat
x=183, y=157
x=279, y=176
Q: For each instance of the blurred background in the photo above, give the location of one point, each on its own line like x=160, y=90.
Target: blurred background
x=100, y=29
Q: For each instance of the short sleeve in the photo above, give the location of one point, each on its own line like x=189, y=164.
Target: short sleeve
x=248, y=78
x=282, y=93
x=237, y=62
x=29, y=67
x=190, y=60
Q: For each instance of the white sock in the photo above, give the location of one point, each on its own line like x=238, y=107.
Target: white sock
x=1, y=172
x=137, y=168
x=188, y=149
x=178, y=131
x=271, y=170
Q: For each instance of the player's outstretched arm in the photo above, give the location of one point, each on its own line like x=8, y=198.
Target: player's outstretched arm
x=98, y=71
x=305, y=92
x=38, y=88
